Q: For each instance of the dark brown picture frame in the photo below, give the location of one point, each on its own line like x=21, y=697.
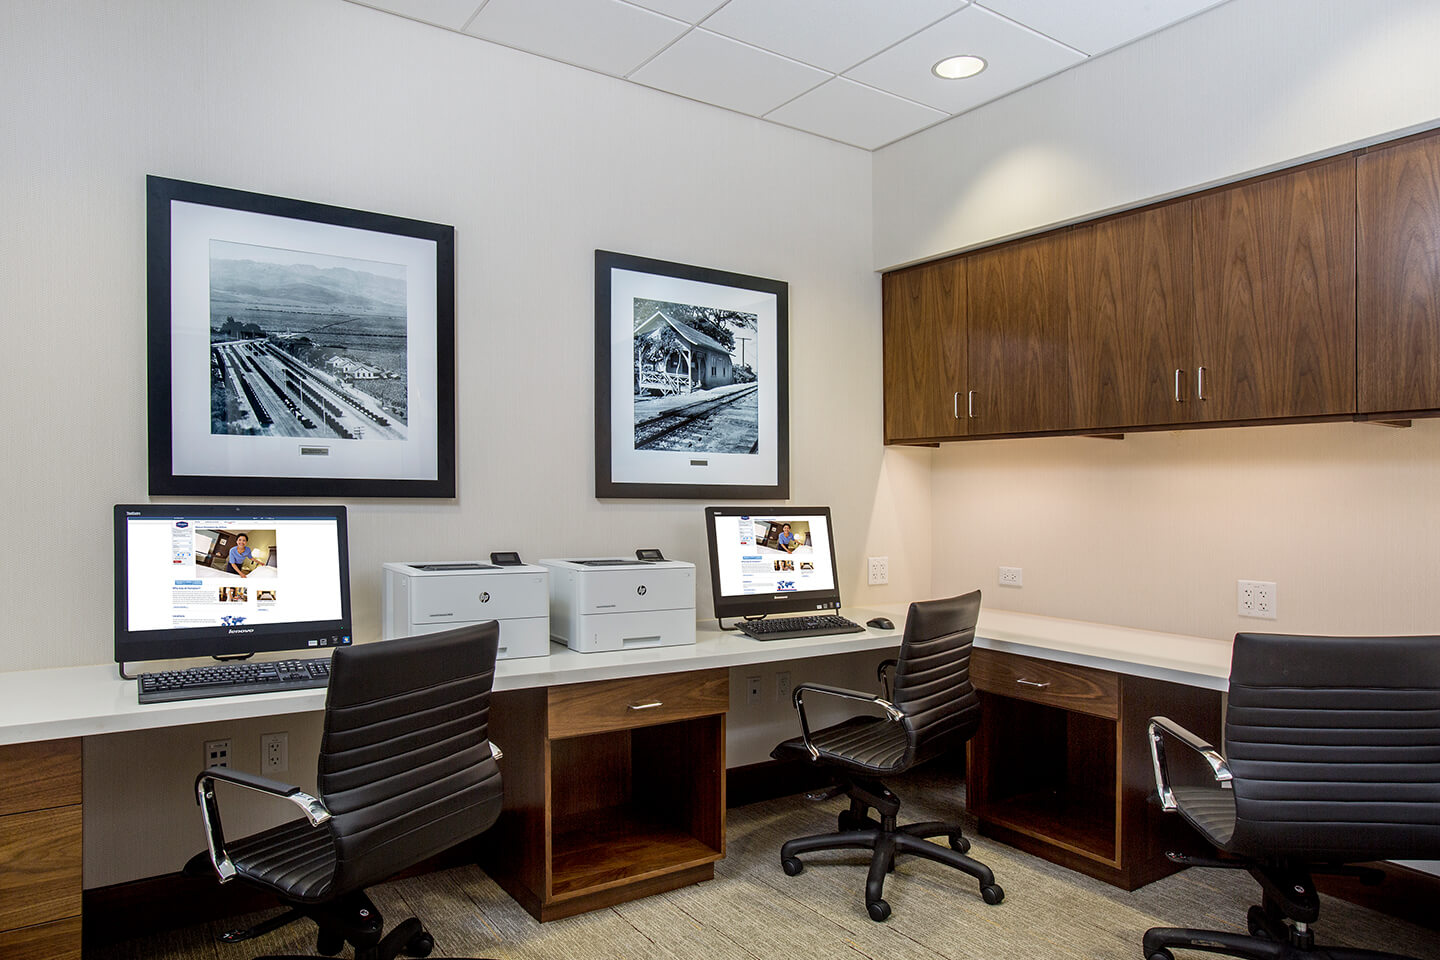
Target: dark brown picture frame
x=627, y=463
x=416, y=461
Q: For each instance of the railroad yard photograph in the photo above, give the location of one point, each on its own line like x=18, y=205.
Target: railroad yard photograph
x=695, y=384
x=306, y=345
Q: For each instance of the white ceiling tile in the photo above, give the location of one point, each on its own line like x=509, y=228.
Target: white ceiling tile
x=605, y=35
x=451, y=14
x=706, y=66
x=856, y=114
x=1098, y=25
x=1015, y=57
x=831, y=34
x=691, y=11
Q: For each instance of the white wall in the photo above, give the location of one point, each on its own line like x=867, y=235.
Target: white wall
x=536, y=164
x=1247, y=86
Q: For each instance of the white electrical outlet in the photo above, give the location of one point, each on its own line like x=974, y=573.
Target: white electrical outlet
x=782, y=686
x=217, y=753
x=275, y=753
x=1012, y=577
x=1255, y=598
x=752, y=691
x=879, y=571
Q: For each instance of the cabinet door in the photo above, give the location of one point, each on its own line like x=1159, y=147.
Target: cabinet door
x=1019, y=337
x=1132, y=319
x=1275, y=295
x=1398, y=327
x=925, y=351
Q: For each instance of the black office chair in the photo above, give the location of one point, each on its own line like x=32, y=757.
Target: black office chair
x=1332, y=757
x=933, y=709
x=406, y=771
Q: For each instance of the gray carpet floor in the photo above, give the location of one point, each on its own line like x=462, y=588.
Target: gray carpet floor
x=753, y=911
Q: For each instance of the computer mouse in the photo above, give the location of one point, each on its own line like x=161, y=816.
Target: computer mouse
x=880, y=623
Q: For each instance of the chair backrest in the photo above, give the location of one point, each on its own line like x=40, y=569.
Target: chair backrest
x=932, y=676
x=1334, y=743
x=405, y=765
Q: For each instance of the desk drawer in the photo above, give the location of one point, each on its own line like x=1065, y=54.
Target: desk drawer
x=1063, y=685
x=39, y=866
x=34, y=776
x=582, y=708
x=59, y=940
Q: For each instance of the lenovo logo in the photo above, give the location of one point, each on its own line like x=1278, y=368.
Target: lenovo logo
x=246, y=630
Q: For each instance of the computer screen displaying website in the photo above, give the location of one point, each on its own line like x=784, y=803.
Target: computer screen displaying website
x=271, y=577
x=771, y=560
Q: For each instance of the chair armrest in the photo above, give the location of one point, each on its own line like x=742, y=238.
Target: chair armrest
x=798, y=697
x=882, y=673
x=313, y=809
x=1159, y=728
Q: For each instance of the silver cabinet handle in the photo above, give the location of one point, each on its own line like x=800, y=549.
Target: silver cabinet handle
x=1033, y=683
x=1177, y=386
x=955, y=406
x=970, y=404
x=647, y=706
x=1200, y=384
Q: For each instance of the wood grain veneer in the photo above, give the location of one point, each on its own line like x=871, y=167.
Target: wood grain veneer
x=1017, y=317
x=1274, y=263
x=1398, y=321
x=34, y=776
x=1132, y=319
x=1069, y=687
x=925, y=351
x=584, y=708
x=39, y=866
x=58, y=940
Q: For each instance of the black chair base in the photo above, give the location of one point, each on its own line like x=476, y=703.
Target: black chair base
x=352, y=919
x=1159, y=942
x=859, y=831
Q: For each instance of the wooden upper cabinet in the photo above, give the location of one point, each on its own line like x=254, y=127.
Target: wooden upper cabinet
x=925, y=351
x=1132, y=315
x=1018, y=338
x=1274, y=264
x=1398, y=326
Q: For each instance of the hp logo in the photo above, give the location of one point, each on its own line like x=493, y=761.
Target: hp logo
x=485, y=597
x=640, y=590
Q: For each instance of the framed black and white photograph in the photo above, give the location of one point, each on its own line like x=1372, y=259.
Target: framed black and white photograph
x=691, y=382
x=297, y=349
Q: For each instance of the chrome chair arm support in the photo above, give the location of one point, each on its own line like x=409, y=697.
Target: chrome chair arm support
x=313, y=809
x=1159, y=728
x=798, y=697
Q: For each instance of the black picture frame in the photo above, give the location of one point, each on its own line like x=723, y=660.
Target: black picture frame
x=286, y=267
x=649, y=368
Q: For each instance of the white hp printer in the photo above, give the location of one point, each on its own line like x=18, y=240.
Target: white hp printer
x=614, y=603
x=430, y=597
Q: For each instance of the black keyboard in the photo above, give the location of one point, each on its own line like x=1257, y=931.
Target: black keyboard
x=787, y=628
x=233, y=680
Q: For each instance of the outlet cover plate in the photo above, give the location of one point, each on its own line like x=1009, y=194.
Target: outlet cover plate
x=275, y=753
x=1255, y=598
x=1012, y=577
x=879, y=571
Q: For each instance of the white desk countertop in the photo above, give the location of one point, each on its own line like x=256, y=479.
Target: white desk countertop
x=90, y=700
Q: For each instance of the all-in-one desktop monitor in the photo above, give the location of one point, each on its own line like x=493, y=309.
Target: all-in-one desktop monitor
x=766, y=560
x=206, y=580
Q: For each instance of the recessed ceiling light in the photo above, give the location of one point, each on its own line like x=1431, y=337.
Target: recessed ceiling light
x=958, y=68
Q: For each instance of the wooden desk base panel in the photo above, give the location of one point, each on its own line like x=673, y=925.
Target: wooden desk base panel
x=614, y=790
x=1061, y=766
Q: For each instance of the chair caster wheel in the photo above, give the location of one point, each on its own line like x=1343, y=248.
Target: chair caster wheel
x=992, y=893
x=792, y=866
x=420, y=945
x=328, y=944
x=1161, y=954
x=847, y=821
x=1262, y=925
x=879, y=910
x=959, y=844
